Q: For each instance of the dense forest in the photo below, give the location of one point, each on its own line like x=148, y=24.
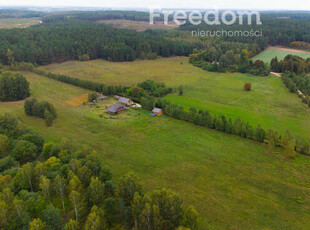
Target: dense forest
x=96, y=16
x=15, y=13
x=278, y=29
x=46, y=185
x=57, y=42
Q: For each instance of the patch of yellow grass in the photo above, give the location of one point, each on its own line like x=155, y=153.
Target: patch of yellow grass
x=139, y=25
x=77, y=101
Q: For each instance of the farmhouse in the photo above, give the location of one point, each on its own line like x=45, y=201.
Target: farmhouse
x=158, y=111
x=116, y=108
x=125, y=101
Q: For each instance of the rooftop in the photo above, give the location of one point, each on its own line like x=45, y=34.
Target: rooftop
x=156, y=110
x=114, y=108
x=124, y=100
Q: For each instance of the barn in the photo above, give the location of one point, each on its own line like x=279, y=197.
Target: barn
x=116, y=108
x=158, y=111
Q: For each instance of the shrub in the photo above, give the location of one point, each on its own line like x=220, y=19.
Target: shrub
x=92, y=96
x=247, y=86
x=84, y=57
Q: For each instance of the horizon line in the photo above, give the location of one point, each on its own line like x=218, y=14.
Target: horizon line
x=147, y=8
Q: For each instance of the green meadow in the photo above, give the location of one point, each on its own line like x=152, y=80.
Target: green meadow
x=234, y=183
x=269, y=103
x=280, y=53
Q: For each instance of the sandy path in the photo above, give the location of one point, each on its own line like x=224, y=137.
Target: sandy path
x=276, y=74
x=279, y=75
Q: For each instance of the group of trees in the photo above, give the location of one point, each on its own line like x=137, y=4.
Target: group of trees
x=232, y=60
x=296, y=82
x=291, y=63
x=43, y=109
x=58, y=186
x=288, y=143
x=300, y=45
x=13, y=86
x=152, y=88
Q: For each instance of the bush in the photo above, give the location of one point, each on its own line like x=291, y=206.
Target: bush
x=92, y=96
x=247, y=86
x=84, y=57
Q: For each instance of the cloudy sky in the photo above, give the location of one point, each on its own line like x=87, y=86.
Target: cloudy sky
x=205, y=4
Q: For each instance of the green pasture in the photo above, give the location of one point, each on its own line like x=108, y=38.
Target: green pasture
x=234, y=183
x=269, y=103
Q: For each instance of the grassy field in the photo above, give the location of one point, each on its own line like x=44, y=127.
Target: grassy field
x=280, y=52
x=8, y=23
x=233, y=182
x=269, y=103
x=139, y=25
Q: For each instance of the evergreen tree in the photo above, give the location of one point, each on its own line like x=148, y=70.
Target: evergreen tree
x=260, y=134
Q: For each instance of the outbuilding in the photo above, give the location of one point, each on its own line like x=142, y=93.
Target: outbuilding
x=125, y=101
x=116, y=108
x=158, y=111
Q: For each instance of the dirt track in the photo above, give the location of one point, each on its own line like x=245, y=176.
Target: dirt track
x=288, y=49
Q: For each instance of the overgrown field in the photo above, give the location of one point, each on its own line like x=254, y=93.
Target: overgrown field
x=269, y=103
x=7, y=23
x=233, y=182
x=139, y=25
x=280, y=52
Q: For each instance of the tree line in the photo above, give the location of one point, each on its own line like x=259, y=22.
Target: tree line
x=237, y=127
x=55, y=185
x=291, y=63
x=96, y=16
x=295, y=75
x=296, y=82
